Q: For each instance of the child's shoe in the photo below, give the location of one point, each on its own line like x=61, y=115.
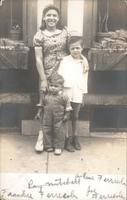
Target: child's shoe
x=68, y=144
x=76, y=143
x=58, y=152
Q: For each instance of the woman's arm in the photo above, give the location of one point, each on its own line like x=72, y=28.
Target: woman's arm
x=40, y=68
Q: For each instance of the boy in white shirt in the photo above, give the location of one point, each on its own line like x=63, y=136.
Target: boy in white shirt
x=74, y=70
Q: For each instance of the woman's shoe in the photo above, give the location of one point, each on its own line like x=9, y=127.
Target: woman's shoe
x=57, y=152
x=39, y=147
x=76, y=143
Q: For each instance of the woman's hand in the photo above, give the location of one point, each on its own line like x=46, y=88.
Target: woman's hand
x=38, y=115
x=66, y=117
x=44, y=85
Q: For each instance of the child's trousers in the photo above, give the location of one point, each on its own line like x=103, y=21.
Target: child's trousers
x=54, y=136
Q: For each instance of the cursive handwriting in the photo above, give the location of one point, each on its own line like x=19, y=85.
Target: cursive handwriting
x=32, y=185
x=77, y=187
x=109, y=180
x=22, y=194
x=92, y=192
x=115, y=181
x=57, y=182
x=88, y=177
x=76, y=180
x=60, y=182
x=70, y=195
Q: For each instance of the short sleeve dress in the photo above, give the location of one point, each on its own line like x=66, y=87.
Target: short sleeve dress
x=54, y=48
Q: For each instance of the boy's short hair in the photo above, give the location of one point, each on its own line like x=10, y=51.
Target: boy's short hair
x=74, y=39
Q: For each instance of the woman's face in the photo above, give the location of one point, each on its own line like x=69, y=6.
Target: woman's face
x=51, y=18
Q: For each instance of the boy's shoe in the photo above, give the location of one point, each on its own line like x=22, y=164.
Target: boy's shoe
x=68, y=144
x=76, y=143
x=57, y=152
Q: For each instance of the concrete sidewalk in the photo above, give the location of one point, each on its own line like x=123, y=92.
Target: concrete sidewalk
x=105, y=155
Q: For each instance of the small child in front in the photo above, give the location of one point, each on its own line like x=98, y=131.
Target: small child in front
x=74, y=70
x=55, y=108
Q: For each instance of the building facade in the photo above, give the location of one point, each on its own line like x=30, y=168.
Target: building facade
x=107, y=80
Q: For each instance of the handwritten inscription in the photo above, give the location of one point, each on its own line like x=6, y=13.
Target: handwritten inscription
x=70, y=195
x=93, y=194
x=15, y=195
x=120, y=181
x=76, y=180
x=77, y=187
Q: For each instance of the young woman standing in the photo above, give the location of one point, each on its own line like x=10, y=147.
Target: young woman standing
x=50, y=44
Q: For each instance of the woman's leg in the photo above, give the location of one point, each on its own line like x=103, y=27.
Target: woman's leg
x=39, y=147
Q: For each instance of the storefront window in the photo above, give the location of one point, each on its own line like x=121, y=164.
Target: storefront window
x=11, y=18
x=112, y=15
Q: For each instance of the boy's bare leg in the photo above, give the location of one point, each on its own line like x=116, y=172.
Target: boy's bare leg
x=68, y=142
x=75, y=124
x=76, y=143
x=74, y=127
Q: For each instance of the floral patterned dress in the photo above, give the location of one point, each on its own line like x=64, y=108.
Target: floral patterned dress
x=54, y=48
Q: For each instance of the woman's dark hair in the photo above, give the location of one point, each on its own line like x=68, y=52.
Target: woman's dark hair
x=46, y=9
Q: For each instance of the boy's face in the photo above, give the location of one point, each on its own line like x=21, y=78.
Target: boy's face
x=76, y=50
x=54, y=89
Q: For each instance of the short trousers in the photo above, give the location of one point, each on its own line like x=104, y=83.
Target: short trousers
x=74, y=94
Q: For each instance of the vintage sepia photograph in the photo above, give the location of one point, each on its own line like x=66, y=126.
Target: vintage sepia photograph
x=63, y=99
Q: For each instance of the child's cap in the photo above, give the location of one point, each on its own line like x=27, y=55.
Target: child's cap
x=57, y=79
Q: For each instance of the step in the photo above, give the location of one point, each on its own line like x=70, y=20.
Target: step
x=10, y=130
x=31, y=127
x=105, y=100
x=89, y=99
x=11, y=114
x=13, y=98
x=112, y=134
